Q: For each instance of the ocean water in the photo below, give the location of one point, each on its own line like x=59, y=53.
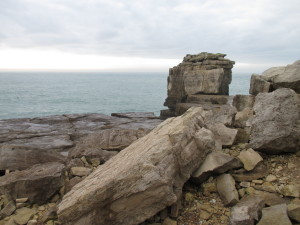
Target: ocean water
x=32, y=94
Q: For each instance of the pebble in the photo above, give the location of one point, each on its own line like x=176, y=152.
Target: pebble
x=271, y=178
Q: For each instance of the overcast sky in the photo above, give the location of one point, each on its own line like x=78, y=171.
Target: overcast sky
x=146, y=35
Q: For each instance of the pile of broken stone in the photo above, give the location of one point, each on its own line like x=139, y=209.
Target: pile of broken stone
x=217, y=160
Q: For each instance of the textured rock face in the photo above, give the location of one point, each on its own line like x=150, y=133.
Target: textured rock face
x=38, y=183
x=204, y=73
x=277, y=77
x=25, y=142
x=227, y=190
x=276, y=125
x=142, y=179
x=276, y=214
x=247, y=211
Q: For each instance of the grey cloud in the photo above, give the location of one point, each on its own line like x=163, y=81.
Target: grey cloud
x=247, y=31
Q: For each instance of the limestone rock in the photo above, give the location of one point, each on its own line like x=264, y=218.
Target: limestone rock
x=226, y=189
x=247, y=211
x=225, y=135
x=284, y=77
x=270, y=198
x=208, y=99
x=242, y=118
x=80, y=171
x=250, y=158
x=135, y=115
x=291, y=190
x=198, y=75
x=169, y=221
x=23, y=215
x=8, y=209
x=20, y=158
x=38, y=183
x=215, y=163
x=142, y=179
x=294, y=210
x=259, y=171
x=242, y=102
x=275, y=215
x=276, y=125
x=259, y=85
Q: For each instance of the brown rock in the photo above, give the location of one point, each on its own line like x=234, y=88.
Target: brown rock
x=247, y=211
x=215, y=163
x=275, y=215
x=142, y=179
x=259, y=171
x=227, y=190
x=37, y=184
x=80, y=171
x=242, y=102
x=294, y=210
x=225, y=135
x=250, y=159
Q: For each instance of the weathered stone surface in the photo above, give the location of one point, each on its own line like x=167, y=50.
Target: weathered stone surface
x=38, y=184
x=8, y=209
x=23, y=215
x=270, y=198
x=198, y=75
x=25, y=142
x=20, y=158
x=209, y=99
x=225, y=135
x=135, y=115
x=242, y=102
x=287, y=77
x=91, y=153
x=226, y=189
x=275, y=215
x=291, y=190
x=142, y=179
x=242, y=118
x=250, y=158
x=80, y=171
x=243, y=175
x=247, y=211
x=110, y=139
x=259, y=85
x=169, y=221
x=72, y=182
x=276, y=125
x=294, y=210
x=215, y=163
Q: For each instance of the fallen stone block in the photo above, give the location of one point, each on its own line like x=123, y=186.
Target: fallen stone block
x=38, y=184
x=144, y=178
x=250, y=158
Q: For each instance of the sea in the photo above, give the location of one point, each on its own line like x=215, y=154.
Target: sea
x=35, y=94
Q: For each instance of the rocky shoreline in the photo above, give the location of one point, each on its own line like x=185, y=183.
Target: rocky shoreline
x=217, y=159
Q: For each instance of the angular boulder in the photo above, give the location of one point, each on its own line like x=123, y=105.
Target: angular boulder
x=275, y=215
x=250, y=158
x=284, y=77
x=215, y=163
x=258, y=85
x=276, y=124
x=142, y=179
x=247, y=211
x=38, y=184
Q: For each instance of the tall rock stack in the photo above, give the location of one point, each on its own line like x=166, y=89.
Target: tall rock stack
x=198, y=79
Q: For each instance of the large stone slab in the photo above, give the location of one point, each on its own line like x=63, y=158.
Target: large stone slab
x=276, y=125
x=142, y=179
x=38, y=184
x=259, y=85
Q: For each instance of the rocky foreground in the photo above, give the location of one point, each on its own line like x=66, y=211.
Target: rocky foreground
x=219, y=159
